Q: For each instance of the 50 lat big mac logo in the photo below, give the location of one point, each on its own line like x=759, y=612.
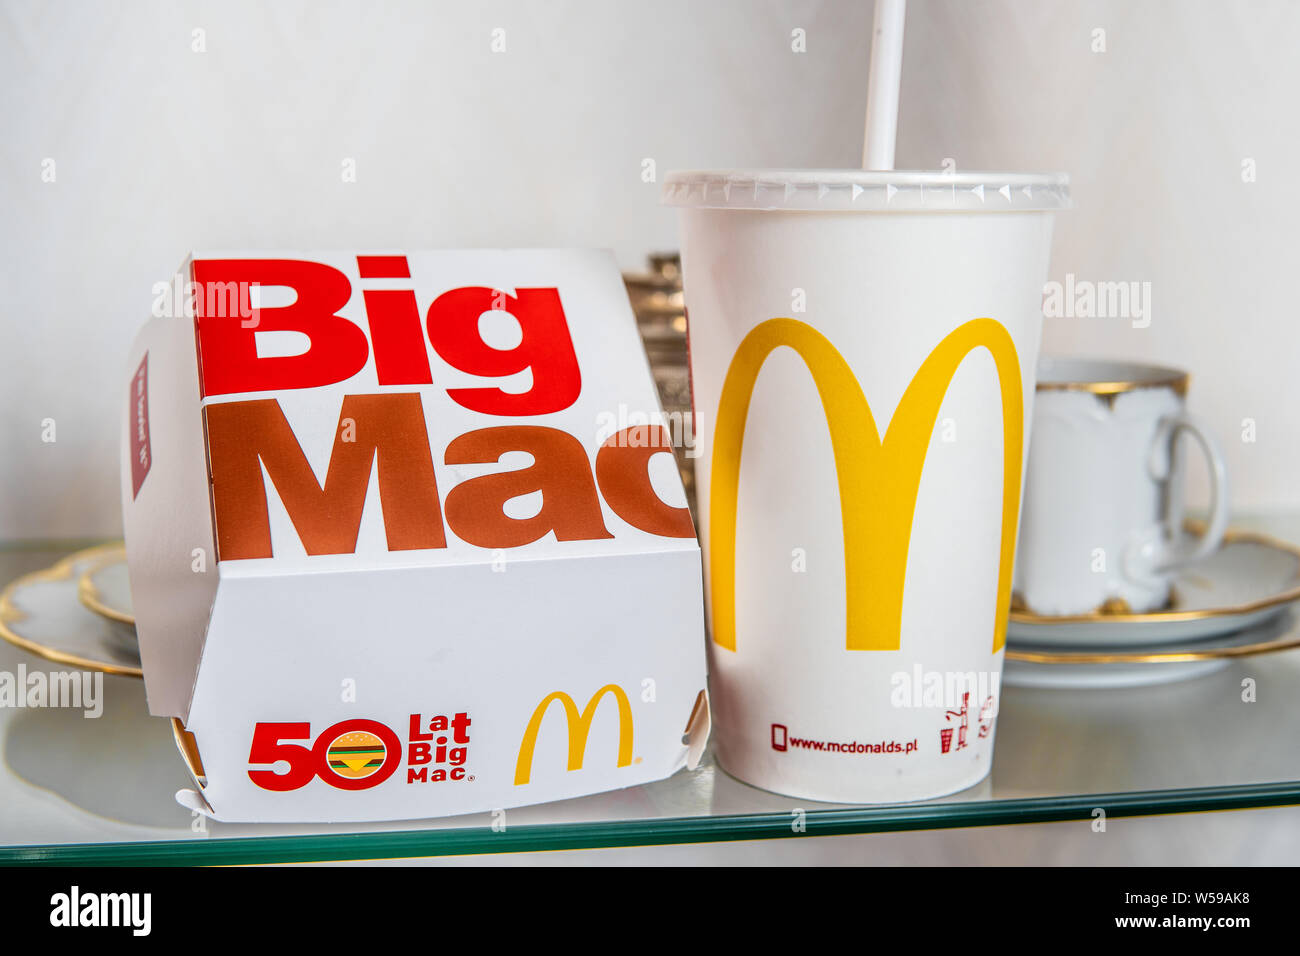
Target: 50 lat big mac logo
x=358, y=754
x=386, y=432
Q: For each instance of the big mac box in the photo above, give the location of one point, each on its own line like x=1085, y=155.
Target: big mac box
x=406, y=537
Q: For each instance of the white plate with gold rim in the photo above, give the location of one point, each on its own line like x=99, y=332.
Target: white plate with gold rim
x=1250, y=579
x=42, y=613
x=104, y=587
x=1096, y=667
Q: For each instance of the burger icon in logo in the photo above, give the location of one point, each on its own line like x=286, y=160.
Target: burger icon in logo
x=356, y=754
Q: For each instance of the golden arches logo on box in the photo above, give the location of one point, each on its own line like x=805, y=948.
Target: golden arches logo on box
x=579, y=729
x=878, y=479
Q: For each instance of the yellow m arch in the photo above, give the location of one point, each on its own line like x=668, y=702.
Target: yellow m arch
x=878, y=480
x=579, y=730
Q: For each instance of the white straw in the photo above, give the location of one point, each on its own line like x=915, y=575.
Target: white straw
x=883, y=84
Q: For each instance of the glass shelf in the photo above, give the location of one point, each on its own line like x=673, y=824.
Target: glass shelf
x=81, y=791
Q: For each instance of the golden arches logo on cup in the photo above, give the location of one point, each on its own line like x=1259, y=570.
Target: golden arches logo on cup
x=579, y=725
x=356, y=755
x=878, y=478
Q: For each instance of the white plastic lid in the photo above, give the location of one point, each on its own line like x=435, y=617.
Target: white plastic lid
x=857, y=190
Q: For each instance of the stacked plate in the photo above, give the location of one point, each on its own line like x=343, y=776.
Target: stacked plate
x=1236, y=603
x=77, y=612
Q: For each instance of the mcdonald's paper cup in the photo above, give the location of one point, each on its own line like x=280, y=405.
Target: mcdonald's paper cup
x=862, y=356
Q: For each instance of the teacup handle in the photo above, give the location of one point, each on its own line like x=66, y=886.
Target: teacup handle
x=1210, y=539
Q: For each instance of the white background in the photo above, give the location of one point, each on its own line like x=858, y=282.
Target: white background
x=159, y=149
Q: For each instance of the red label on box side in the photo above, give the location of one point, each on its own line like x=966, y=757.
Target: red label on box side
x=141, y=453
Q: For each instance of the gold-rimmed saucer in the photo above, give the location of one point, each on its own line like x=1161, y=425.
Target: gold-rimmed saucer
x=42, y=613
x=1250, y=579
x=104, y=587
x=1151, y=664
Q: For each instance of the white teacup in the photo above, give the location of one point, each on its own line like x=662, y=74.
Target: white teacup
x=1101, y=524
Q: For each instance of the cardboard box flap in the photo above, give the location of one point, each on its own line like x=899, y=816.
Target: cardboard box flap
x=189, y=751
x=696, y=735
x=171, y=554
